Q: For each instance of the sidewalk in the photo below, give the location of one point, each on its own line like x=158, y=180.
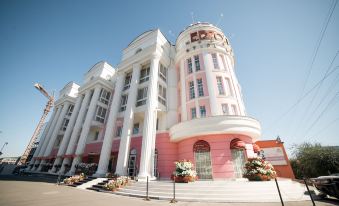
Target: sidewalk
x=23, y=192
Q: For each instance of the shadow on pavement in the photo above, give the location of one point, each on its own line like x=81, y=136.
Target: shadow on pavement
x=29, y=178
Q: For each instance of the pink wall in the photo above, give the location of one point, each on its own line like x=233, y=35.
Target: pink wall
x=92, y=148
x=222, y=166
x=167, y=155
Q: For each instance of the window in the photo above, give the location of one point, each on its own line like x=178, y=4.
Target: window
x=192, y=93
x=215, y=61
x=101, y=114
x=200, y=88
x=119, y=131
x=70, y=110
x=189, y=64
x=65, y=124
x=104, y=96
x=162, y=94
x=220, y=86
x=144, y=74
x=163, y=72
x=142, y=96
x=228, y=87
x=128, y=80
x=234, y=110
x=225, y=110
x=202, y=111
x=136, y=128
x=96, y=135
x=223, y=62
x=123, y=102
x=193, y=113
x=197, y=63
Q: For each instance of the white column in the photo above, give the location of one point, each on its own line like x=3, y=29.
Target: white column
x=106, y=148
x=41, y=142
x=172, y=97
x=148, y=134
x=67, y=135
x=234, y=85
x=125, y=139
x=48, y=138
x=85, y=128
x=76, y=129
x=210, y=83
x=183, y=90
x=56, y=130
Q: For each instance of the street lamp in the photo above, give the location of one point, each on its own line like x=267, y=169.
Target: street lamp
x=6, y=143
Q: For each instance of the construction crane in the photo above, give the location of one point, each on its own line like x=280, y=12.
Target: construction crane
x=48, y=107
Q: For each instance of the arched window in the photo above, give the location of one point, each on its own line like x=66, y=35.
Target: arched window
x=202, y=157
x=238, y=156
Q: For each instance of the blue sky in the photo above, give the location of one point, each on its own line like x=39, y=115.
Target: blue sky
x=54, y=42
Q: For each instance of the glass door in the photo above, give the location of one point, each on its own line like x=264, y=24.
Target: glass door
x=238, y=158
x=203, y=165
x=131, y=165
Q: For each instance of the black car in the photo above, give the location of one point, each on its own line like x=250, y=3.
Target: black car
x=328, y=185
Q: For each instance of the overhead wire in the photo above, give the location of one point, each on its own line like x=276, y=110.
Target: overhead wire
x=303, y=117
x=330, y=103
x=322, y=34
x=303, y=97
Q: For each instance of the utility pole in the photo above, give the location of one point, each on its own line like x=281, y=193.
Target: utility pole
x=48, y=107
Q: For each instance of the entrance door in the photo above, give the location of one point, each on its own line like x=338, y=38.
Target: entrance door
x=132, y=160
x=238, y=158
x=203, y=163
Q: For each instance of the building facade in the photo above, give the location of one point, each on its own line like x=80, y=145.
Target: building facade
x=161, y=104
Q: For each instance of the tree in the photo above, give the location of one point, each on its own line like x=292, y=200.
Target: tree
x=313, y=160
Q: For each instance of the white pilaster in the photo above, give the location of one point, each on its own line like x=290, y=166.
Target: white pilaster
x=110, y=129
x=210, y=83
x=67, y=135
x=148, y=136
x=172, y=97
x=183, y=90
x=85, y=128
x=125, y=139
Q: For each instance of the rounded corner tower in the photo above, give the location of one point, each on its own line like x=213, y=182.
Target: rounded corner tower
x=213, y=128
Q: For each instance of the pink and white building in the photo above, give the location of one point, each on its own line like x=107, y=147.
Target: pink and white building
x=161, y=104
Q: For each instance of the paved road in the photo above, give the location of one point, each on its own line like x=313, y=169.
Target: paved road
x=27, y=191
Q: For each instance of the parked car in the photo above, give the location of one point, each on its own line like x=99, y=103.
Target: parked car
x=327, y=185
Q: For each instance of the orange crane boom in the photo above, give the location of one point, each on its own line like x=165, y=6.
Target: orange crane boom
x=48, y=107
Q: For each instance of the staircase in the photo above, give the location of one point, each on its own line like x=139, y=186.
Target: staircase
x=99, y=187
x=87, y=179
x=217, y=191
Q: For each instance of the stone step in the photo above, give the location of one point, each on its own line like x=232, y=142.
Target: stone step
x=219, y=191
